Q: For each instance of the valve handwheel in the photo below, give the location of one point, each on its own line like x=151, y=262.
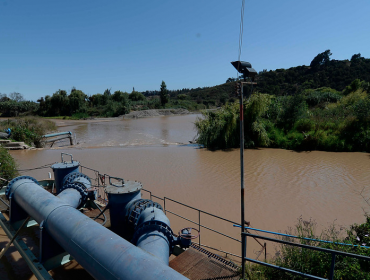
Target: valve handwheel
x=187, y=234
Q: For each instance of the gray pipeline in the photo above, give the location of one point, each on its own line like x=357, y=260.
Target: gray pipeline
x=102, y=253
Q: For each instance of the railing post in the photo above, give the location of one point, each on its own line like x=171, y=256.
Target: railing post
x=332, y=267
x=164, y=202
x=244, y=254
x=265, y=251
x=199, y=225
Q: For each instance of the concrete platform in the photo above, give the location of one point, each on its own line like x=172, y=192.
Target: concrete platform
x=13, y=145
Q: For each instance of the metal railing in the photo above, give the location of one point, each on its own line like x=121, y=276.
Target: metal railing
x=99, y=181
x=333, y=253
x=200, y=226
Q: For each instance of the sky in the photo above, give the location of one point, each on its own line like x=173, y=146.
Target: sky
x=94, y=45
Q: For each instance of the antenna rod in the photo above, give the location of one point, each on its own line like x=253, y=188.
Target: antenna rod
x=243, y=237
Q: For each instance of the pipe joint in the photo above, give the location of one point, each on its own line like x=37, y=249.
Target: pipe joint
x=138, y=206
x=16, y=183
x=80, y=187
x=77, y=177
x=151, y=226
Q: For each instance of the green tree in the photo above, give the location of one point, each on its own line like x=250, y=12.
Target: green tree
x=136, y=96
x=124, y=104
x=220, y=129
x=107, y=92
x=163, y=94
x=59, y=103
x=96, y=100
x=3, y=97
x=16, y=96
x=321, y=59
x=77, y=101
x=356, y=57
x=119, y=96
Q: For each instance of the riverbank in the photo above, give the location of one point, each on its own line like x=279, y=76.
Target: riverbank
x=155, y=113
x=67, y=121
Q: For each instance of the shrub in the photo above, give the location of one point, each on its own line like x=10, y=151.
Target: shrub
x=79, y=116
x=29, y=129
x=318, y=263
x=315, y=98
x=8, y=166
x=304, y=125
x=218, y=129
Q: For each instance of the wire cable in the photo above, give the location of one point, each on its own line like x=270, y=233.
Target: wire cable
x=241, y=31
x=40, y=167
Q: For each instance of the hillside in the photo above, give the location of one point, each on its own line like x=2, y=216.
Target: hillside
x=322, y=72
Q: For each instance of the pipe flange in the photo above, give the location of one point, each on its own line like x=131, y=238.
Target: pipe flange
x=154, y=226
x=11, y=183
x=73, y=176
x=138, y=207
x=80, y=188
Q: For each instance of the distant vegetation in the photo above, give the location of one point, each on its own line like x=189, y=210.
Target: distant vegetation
x=302, y=108
x=322, y=72
x=324, y=106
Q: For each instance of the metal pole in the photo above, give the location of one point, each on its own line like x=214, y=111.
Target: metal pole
x=199, y=225
x=332, y=267
x=244, y=243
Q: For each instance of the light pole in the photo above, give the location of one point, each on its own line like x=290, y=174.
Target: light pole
x=246, y=69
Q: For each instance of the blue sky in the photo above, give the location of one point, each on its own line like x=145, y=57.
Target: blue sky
x=94, y=45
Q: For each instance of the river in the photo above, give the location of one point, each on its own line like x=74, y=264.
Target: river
x=280, y=185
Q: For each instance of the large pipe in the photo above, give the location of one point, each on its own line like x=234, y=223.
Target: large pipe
x=140, y=220
x=101, y=252
x=36, y=201
x=153, y=233
x=57, y=134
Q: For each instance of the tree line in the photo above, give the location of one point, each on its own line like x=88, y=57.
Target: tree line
x=322, y=72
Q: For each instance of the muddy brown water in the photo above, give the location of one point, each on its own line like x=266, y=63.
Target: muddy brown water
x=280, y=185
